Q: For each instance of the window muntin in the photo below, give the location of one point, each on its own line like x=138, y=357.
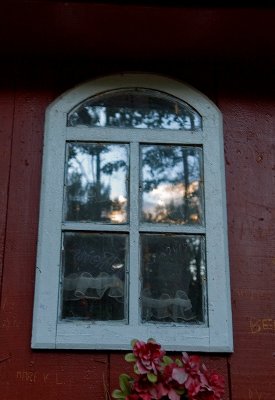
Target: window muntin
x=211, y=333
x=170, y=180
x=136, y=108
x=170, y=177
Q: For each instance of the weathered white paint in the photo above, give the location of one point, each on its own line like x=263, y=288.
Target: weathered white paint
x=48, y=330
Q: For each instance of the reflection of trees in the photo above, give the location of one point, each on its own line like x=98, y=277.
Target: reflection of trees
x=171, y=264
x=88, y=195
x=136, y=108
x=176, y=170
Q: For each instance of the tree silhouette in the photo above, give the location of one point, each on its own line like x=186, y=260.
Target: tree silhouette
x=174, y=168
x=88, y=195
x=136, y=108
x=168, y=168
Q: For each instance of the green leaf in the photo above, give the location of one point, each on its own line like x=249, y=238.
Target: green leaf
x=133, y=342
x=130, y=357
x=117, y=394
x=180, y=391
x=178, y=362
x=152, y=378
x=167, y=360
x=136, y=371
x=124, y=383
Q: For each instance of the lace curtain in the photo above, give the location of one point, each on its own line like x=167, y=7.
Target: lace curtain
x=87, y=286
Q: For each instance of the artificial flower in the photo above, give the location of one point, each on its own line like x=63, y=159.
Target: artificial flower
x=148, y=356
x=159, y=377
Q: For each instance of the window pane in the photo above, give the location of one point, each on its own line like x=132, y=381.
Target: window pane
x=173, y=278
x=172, y=189
x=94, y=276
x=97, y=182
x=136, y=108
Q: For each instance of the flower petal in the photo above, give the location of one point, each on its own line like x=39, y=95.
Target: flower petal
x=179, y=375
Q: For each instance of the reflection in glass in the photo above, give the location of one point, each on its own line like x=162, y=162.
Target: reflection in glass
x=96, y=182
x=172, y=184
x=173, y=276
x=135, y=108
x=94, y=276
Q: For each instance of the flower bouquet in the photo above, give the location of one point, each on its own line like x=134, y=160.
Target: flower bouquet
x=158, y=376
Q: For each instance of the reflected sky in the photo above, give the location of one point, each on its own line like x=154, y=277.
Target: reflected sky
x=96, y=182
x=172, y=184
x=136, y=108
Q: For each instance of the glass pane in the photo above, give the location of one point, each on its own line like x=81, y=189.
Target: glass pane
x=97, y=182
x=173, y=278
x=94, y=276
x=172, y=190
x=136, y=108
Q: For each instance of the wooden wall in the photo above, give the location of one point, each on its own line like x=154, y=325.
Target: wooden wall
x=243, y=89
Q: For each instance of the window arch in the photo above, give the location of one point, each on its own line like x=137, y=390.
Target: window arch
x=132, y=233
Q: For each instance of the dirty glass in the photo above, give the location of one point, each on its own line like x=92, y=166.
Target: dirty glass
x=94, y=286
x=96, y=183
x=173, y=278
x=135, y=108
x=172, y=184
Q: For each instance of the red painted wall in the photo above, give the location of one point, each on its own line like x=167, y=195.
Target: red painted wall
x=243, y=89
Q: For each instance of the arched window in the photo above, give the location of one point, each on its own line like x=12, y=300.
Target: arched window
x=132, y=234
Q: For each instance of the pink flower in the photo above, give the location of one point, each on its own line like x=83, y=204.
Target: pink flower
x=212, y=390
x=148, y=356
x=204, y=395
x=168, y=373
x=189, y=374
x=140, y=396
x=141, y=389
x=168, y=386
x=142, y=385
x=158, y=377
x=217, y=384
x=194, y=390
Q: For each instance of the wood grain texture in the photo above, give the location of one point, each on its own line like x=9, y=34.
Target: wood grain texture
x=6, y=124
x=26, y=374
x=248, y=109
x=189, y=31
x=250, y=159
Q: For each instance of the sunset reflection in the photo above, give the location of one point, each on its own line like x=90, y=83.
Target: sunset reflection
x=172, y=187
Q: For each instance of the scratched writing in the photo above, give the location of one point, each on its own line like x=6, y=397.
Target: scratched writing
x=262, y=325
x=9, y=323
x=256, y=394
x=254, y=294
x=8, y=305
x=35, y=377
x=26, y=376
x=98, y=261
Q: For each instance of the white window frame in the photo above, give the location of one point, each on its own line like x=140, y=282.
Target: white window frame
x=49, y=331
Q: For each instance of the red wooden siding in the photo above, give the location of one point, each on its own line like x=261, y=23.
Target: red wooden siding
x=229, y=56
x=249, y=151
x=250, y=164
x=26, y=374
x=6, y=123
